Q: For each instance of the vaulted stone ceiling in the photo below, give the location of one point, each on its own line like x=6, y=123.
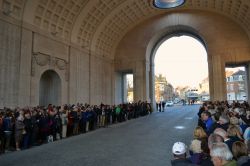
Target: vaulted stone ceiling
x=98, y=25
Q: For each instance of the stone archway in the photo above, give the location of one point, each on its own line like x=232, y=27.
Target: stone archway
x=155, y=43
x=50, y=88
x=223, y=46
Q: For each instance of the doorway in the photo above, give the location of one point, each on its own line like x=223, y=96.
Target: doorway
x=50, y=89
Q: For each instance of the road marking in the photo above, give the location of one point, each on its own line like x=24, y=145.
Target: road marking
x=189, y=118
x=179, y=127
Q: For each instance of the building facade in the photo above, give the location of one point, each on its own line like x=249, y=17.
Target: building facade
x=203, y=90
x=237, y=86
x=164, y=91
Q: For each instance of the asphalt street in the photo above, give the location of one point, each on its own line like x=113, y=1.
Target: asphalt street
x=146, y=141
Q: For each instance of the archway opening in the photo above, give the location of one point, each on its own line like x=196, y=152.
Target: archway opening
x=50, y=88
x=129, y=88
x=181, y=70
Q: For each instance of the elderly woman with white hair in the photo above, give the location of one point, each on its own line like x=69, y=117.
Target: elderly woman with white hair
x=221, y=155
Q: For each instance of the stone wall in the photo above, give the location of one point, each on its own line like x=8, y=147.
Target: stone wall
x=10, y=36
x=101, y=81
x=26, y=53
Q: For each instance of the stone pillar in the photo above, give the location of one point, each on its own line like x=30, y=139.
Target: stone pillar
x=25, y=68
x=217, y=80
x=118, y=88
x=10, y=48
x=152, y=85
x=248, y=82
x=147, y=83
x=210, y=76
x=140, y=82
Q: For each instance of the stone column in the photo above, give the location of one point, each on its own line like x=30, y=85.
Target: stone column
x=217, y=78
x=147, y=84
x=210, y=76
x=118, y=88
x=248, y=82
x=25, y=68
x=152, y=85
x=140, y=82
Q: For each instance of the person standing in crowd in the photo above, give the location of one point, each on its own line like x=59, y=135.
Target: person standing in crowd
x=157, y=106
x=223, y=122
x=103, y=115
x=200, y=122
x=64, y=117
x=70, y=123
x=93, y=119
x=221, y=155
x=208, y=121
x=114, y=114
x=19, y=130
x=179, y=151
x=246, y=134
x=234, y=135
x=82, y=122
x=35, y=128
x=58, y=125
x=8, y=129
x=38, y=125
x=75, y=120
x=206, y=158
x=1, y=133
x=28, y=130
x=117, y=113
x=163, y=103
x=160, y=106
x=196, y=152
x=107, y=115
x=221, y=132
x=239, y=150
x=43, y=126
x=88, y=118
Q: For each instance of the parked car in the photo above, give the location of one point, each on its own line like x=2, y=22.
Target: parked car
x=169, y=103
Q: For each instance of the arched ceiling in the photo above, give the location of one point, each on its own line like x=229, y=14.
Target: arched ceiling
x=98, y=25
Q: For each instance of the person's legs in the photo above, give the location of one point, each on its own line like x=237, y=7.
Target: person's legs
x=7, y=139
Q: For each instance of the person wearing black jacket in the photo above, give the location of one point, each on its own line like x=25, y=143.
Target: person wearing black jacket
x=28, y=130
x=1, y=134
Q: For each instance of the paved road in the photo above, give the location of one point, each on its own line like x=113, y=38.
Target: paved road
x=146, y=141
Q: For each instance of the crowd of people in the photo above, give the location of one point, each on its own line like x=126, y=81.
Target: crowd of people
x=22, y=128
x=221, y=138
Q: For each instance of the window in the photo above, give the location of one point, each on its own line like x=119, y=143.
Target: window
x=231, y=78
x=240, y=78
x=166, y=4
x=241, y=87
x=231, y=87
x=161, y=87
